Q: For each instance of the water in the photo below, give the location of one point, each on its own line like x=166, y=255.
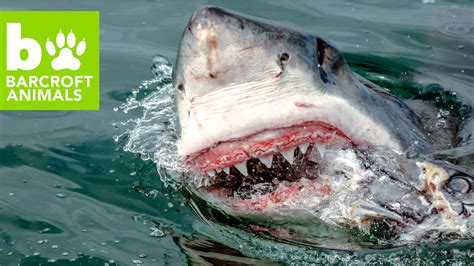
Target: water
x=72, y=194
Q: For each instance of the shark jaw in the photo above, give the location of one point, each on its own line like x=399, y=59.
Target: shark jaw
x=240, y=136
x=215, y=140
x=255, y=166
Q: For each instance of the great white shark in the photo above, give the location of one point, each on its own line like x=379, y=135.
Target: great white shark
x=275, y=125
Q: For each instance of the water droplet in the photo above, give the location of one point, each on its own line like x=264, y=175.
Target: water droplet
x=54, y=246
x=137, y=261
x=60, y=195
x=441, y=123
x=156, y=232
x=153, y=193
x=142, y=256
x=11, y=194
x=44, y=230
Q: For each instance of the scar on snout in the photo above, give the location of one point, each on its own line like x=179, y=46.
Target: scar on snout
x=212, y=42
x=305, y=105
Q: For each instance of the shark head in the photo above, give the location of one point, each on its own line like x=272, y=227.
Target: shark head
x=274, y=122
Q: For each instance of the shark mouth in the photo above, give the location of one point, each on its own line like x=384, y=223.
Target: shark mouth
x=256, y=165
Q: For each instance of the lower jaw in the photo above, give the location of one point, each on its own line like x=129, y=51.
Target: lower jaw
x=284, y=185
x=288, y=196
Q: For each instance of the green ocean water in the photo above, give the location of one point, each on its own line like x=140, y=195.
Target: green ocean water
x=70, y=194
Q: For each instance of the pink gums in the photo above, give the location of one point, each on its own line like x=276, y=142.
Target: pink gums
x=229, y=153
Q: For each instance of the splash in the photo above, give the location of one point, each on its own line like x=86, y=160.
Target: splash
x=153, y=135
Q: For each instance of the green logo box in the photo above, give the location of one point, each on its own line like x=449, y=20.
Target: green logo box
x=49, y=60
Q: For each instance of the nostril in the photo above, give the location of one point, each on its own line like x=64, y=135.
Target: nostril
x=284, y=57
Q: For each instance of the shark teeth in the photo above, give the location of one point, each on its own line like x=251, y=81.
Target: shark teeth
x=289, y=155
x=226, y=170
x=267, y=161
x=242, y=167
x=321, y=148
x=303, y=147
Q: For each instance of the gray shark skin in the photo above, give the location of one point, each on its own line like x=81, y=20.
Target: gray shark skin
x=275, y=125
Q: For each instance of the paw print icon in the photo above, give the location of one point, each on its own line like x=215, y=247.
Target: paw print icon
x=69, y=52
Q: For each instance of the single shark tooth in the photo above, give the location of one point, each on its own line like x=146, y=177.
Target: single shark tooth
x=226, y=170
x=267, y=161
x=321, y=149
x=211, y=173
x=303, y=147
x=242, y=167
x=289, y=155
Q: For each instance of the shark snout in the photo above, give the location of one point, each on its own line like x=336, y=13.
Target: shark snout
x=201, y=27
x=207, y=44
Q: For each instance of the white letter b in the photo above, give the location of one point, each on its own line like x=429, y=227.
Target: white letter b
x=15, y=44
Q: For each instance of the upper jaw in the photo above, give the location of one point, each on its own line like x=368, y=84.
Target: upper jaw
x=206, y=127
x=265, y=144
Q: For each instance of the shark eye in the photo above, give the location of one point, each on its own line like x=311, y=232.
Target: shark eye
x=459, y=184
x=180, y=87
x=320, y=51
